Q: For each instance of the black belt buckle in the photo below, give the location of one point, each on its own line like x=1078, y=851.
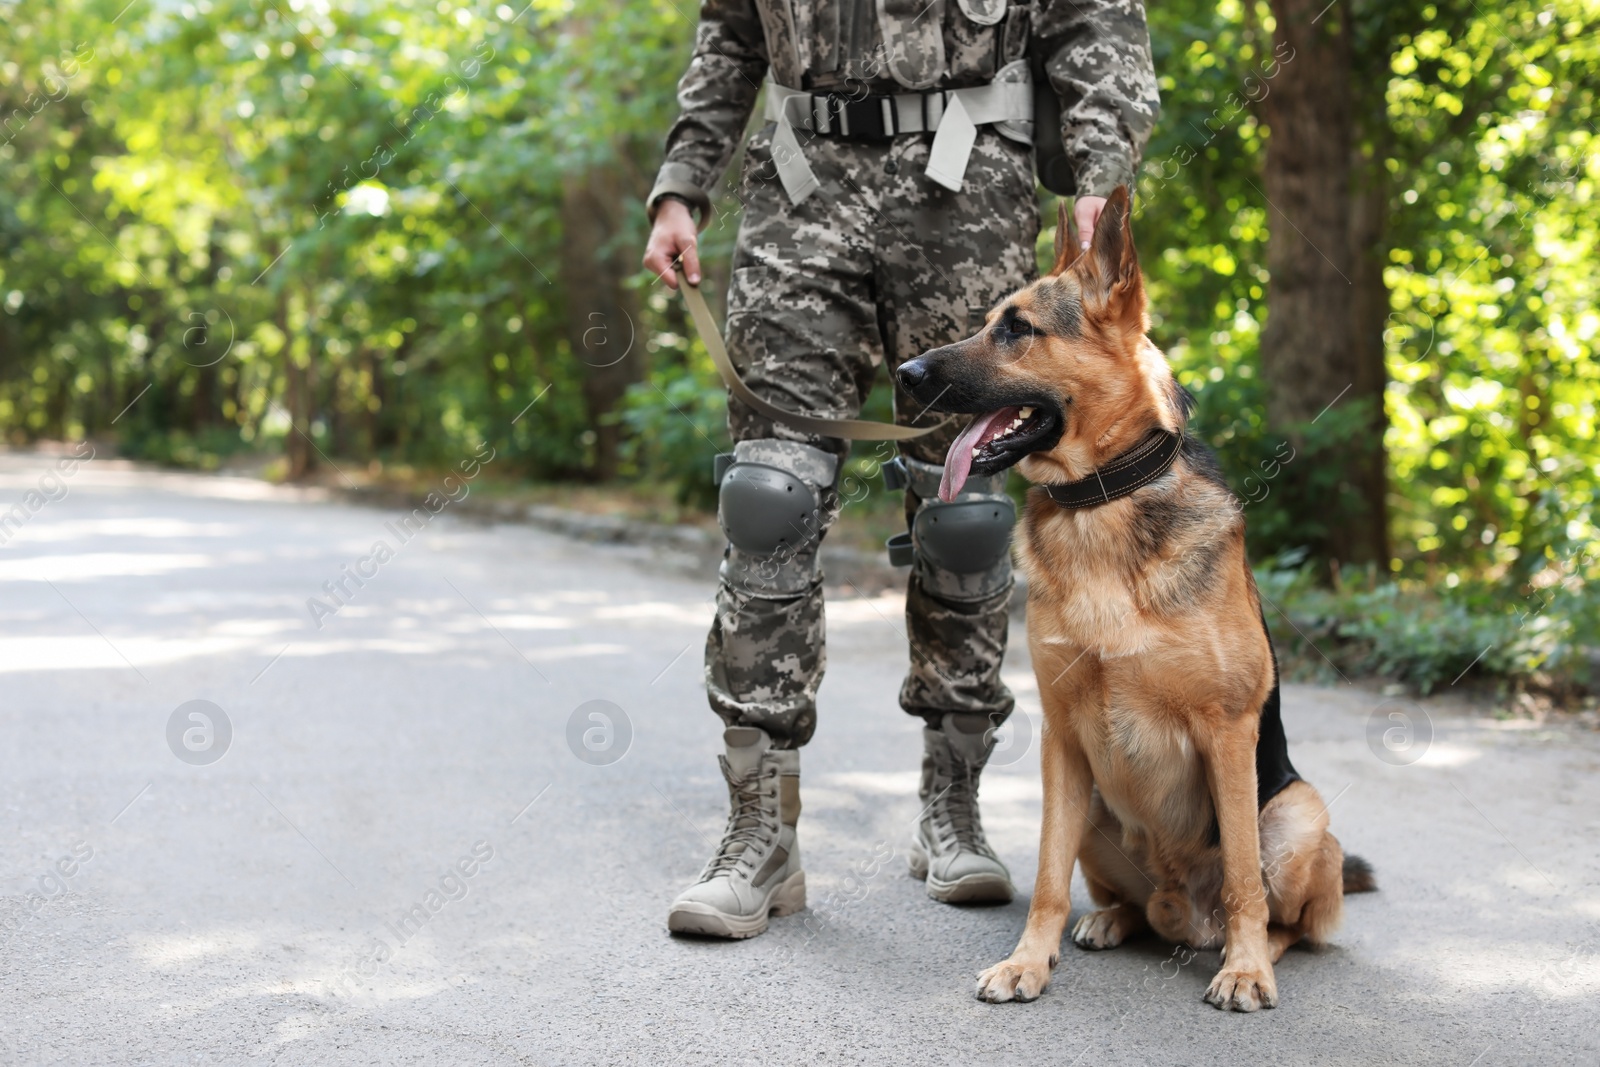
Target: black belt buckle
x=858, y=120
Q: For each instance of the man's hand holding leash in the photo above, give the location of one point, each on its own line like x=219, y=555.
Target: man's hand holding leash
x=673, y=235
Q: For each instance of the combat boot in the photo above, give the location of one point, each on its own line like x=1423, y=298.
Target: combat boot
x=948, y=848
x=756, y=870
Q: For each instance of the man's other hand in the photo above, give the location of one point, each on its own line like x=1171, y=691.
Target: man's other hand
x=1085, y=212
x=674, y=235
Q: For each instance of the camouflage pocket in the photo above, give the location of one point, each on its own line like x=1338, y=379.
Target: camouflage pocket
x=757, y=165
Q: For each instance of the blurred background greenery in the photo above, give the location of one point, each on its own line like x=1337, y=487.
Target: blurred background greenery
x=354, y=241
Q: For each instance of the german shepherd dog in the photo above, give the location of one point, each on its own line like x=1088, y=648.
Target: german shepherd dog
x=1166, y=771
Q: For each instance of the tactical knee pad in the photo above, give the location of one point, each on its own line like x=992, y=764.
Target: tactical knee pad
x=773, y=503
x=961, y=550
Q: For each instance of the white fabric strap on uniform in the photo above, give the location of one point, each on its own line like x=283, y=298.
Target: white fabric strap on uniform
x=952, y=145
x=953, y=115
x=799, y=181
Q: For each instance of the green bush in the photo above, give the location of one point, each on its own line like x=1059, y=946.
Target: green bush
x=206, y=449
x=1544, y=634
x=678, y=422
x=1289, y=493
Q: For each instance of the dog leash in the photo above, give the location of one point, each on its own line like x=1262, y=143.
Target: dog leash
x=849, y=429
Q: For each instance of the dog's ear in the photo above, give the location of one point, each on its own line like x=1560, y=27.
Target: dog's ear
x=1066, y=237
x=1112, y=265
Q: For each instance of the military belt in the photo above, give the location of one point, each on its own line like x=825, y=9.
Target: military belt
x=952, y=115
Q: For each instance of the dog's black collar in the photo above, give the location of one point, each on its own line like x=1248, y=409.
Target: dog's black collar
x=1140, y=465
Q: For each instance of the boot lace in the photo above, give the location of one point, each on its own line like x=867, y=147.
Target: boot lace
x=747, y=829
x=955, y=812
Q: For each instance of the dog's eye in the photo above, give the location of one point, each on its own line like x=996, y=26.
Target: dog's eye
x=1012, y=327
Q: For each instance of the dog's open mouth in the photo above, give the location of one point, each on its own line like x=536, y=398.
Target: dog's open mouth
x=994, y=441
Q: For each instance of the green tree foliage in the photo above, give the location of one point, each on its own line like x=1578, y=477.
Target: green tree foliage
x=336, y=231
x=359, y=204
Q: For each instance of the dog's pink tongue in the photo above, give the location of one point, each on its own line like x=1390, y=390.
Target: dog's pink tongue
x=958, y=461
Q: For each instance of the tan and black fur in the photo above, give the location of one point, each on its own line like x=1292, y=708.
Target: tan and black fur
x=1166, y=772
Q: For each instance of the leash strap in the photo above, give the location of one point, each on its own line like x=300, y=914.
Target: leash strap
x=1139, y=466
x=849, y=429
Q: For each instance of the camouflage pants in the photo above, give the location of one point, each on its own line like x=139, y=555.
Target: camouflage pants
x=880, y=265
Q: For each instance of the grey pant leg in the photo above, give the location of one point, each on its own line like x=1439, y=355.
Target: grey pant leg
x=803, y=329
x=957, y=625
x=764, y=662
x=765, y=654
x=953, y=257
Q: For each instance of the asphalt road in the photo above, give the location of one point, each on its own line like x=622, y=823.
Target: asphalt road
x=265, y=907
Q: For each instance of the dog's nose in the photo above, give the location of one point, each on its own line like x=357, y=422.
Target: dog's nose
x=913, y=373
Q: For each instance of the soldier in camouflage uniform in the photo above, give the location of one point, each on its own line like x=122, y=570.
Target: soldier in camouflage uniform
x=888, y=204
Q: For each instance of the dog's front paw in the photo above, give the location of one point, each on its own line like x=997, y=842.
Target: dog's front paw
x=1106, y=928
x=1017, y=978
x=1243, y=988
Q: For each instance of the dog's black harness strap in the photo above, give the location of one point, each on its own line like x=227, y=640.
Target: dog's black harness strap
x=1141, y=465
x=1274, y=772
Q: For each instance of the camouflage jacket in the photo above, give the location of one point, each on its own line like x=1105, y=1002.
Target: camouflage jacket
x=1096, y=54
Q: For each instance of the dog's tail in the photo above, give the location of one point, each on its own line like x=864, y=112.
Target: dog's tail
x=1358, y=877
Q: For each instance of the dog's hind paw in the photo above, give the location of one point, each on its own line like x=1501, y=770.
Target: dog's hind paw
x=1106, y=928
x=1014, y=979
x=1243, y=989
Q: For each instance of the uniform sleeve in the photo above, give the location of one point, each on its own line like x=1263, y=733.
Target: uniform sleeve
x=714, y=101
x=1097, y=56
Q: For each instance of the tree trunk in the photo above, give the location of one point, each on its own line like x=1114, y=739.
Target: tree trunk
x=204, y=401
x=1316, y=344
x=338, y=423
x=602, y=316
x=368, y=362
x=1367, y=540
x=202, y=342
x=296, y=391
